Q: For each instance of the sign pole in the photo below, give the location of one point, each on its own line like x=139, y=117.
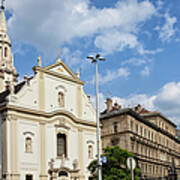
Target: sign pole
x=132, y=174
x=132, y=170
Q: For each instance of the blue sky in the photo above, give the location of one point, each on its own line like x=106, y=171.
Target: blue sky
x=140, y=40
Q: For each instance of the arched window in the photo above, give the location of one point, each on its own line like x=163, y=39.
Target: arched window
x=5, y=52
x=90, y=151
x=61, y=99
x=28, y=145
x=115, y=126
x=61, y=144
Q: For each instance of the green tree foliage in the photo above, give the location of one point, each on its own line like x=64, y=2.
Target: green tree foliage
x=116, y=167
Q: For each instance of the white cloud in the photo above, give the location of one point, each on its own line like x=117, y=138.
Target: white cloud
x=143, y=51
x=116, y=41
x=135, y=62
x=112, y=75
x=130, y=101
x=47, y=25
x=166, y=101
x=168, y=97
x=71, y=57
x=145, y=71
x=167, y=30
x=160, y=4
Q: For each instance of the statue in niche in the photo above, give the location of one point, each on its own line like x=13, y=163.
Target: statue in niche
x=28, y=145
x=61, y=99
x=90, y=152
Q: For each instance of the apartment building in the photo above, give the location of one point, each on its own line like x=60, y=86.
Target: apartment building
x=151, y=136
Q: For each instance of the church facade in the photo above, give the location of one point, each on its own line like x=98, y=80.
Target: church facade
x=48, y=128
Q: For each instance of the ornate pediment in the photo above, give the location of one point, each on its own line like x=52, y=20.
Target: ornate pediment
x=61, y=68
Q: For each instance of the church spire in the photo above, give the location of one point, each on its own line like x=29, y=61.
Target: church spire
x=2, y=18
x=7, y=70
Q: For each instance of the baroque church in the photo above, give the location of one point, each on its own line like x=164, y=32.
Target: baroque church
x=48, y=127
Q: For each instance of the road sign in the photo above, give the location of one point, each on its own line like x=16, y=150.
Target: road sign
x=104, y=159
x=131, y=163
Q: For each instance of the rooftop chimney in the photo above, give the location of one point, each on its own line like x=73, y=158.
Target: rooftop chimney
x=117, y=106
x=138, y=108
x=109, y=104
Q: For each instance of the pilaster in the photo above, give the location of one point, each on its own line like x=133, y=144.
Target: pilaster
x=79, y=101
x=81, y=153
x=14, y=149
x=41, y=91
x=43, y=174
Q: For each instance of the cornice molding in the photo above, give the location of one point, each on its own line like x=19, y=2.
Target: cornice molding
x=44, y=114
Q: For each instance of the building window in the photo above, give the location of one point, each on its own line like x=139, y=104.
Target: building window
x=142, y=149
x=61, y=144
x=159, y=139
x=137, y=128
x=28, y=145
x=142, y=167
x=144, y=132
x=146, y=168
x=29, y=177
x=167, y=143
x=156, y=138
x=156, y=169
x=115, y=125
x=152, y=152
x=5, y=52
x=149, y=134
x=150, y=169
x=152, y=136
x=132, y=146
x=61, y=99
x=132, y=125
x=90, y=151
x=141, y=131
x=145, y=151
x=137, y=147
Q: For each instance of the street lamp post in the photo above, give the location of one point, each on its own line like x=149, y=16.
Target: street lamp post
x=95, y=60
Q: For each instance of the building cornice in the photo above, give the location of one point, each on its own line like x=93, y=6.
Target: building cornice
x=47, y=115
x=139, y=118
x=157, y=113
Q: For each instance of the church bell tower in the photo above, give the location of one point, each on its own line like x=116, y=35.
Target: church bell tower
x=8, y=75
